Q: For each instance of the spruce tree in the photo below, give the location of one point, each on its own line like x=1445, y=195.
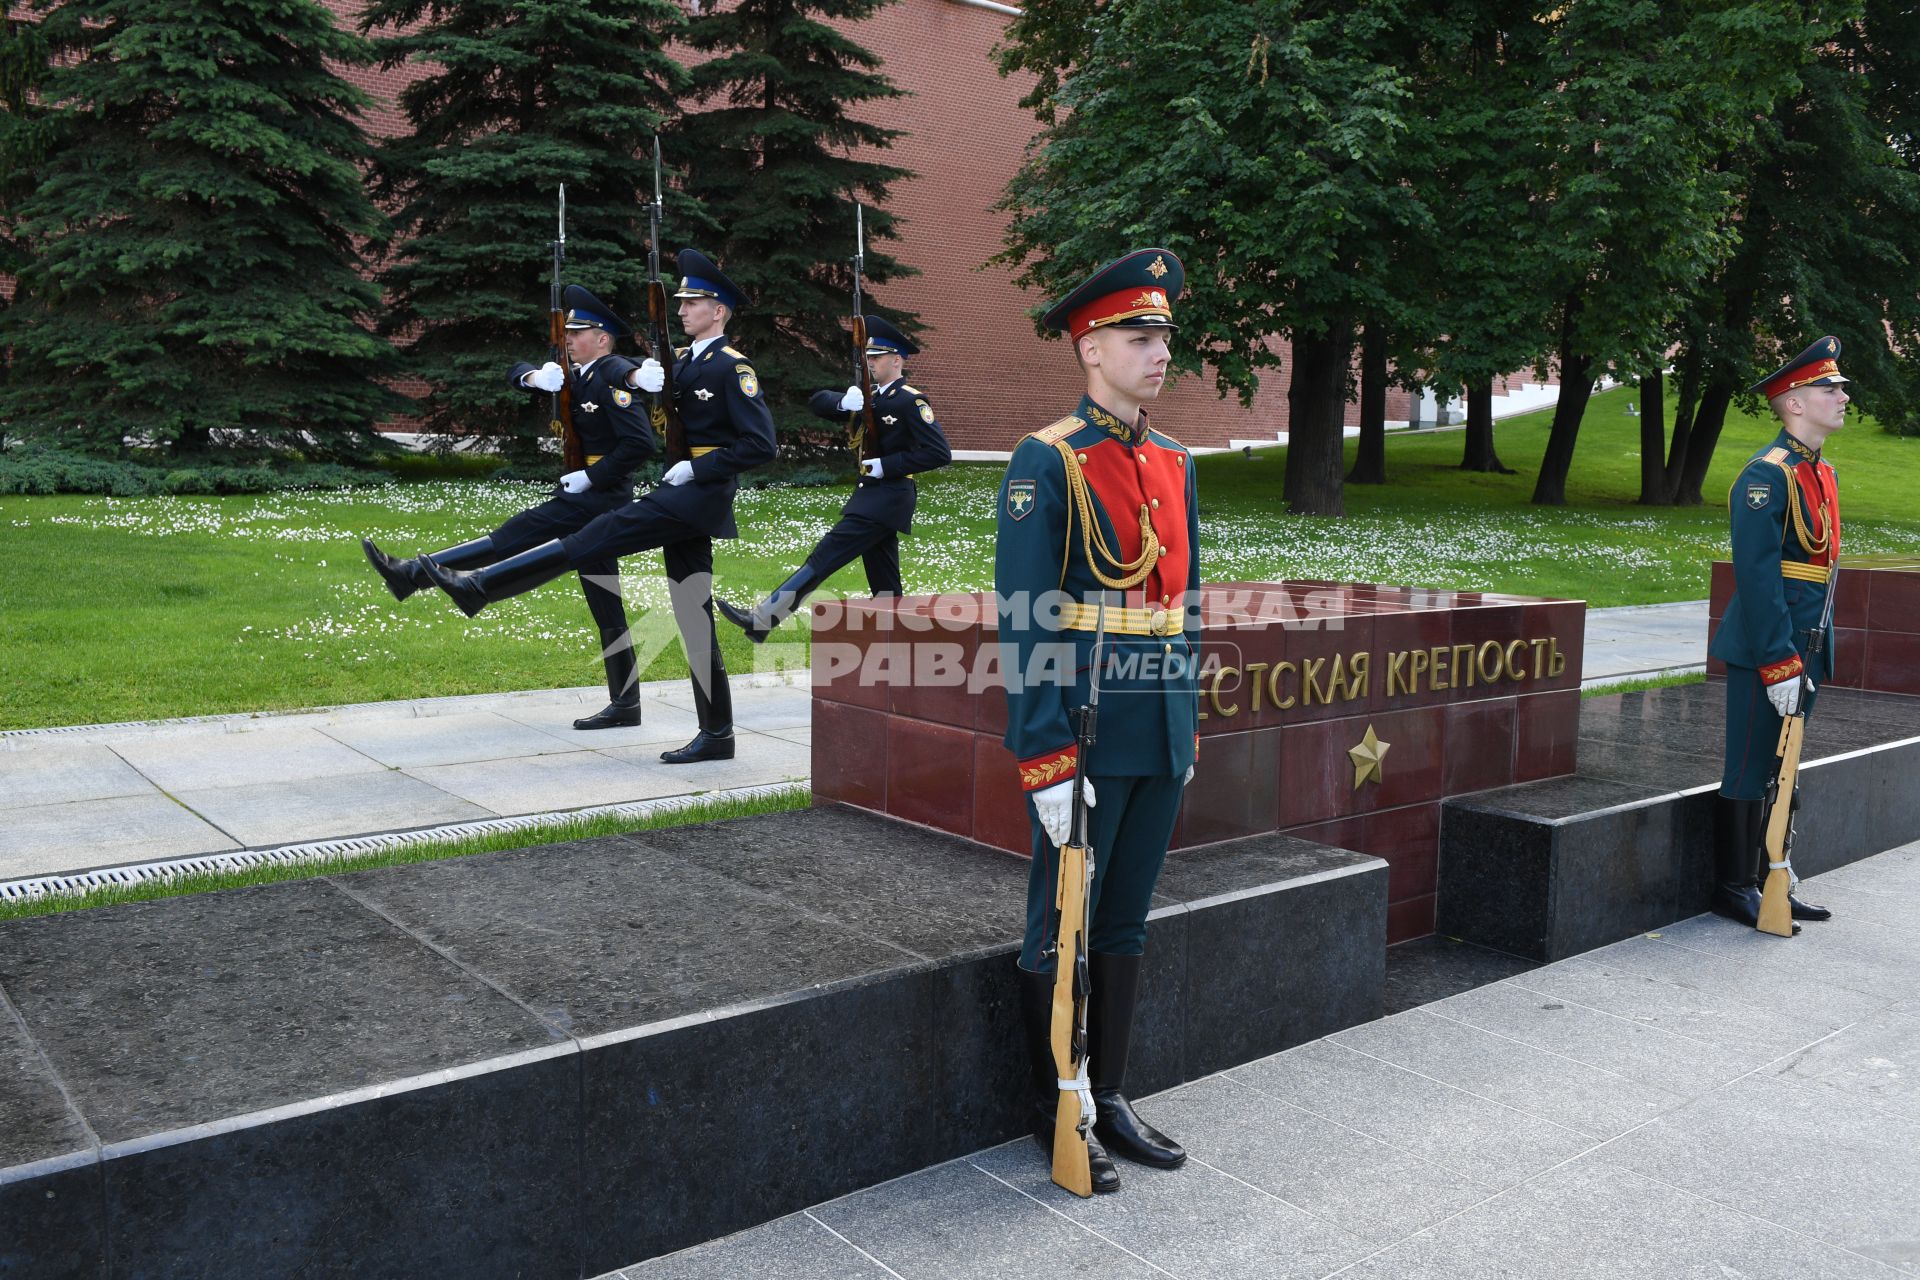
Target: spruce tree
x=196, y=255
x=523, y=96
x=769, y=157
x=26, y=139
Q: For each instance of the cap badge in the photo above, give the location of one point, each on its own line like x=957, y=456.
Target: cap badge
x=1158, y=267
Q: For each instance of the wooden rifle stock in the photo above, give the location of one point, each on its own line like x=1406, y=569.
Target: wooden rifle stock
x=1073, y=1120
x=1776, y=912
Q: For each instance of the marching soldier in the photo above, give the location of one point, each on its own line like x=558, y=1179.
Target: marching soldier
x=729, y=431
x=1785, y=512
x=881, y=508
x=614, y=433
x=1099, y=505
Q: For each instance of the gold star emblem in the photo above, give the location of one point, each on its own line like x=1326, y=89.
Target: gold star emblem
x=1158, y=268
x=1368, y=758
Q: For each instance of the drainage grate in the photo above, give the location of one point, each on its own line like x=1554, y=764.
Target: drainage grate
x=322, y=850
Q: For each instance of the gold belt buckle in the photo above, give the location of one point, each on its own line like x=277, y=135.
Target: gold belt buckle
x=1157, y=623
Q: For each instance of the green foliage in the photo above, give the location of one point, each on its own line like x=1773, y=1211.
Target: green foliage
x=522, y=96
x=40, y=468
x=196, y=234
x=770, y=157
x=26, y=133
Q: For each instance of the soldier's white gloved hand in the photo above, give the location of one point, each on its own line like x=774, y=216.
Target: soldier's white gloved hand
x=650, y=376
x=575, y=482
x=1054, y=805
x=1785, y=696
x=854, y=401
x=548, y=377
x=873, y=468
x=678, y=473
x=1189, y=778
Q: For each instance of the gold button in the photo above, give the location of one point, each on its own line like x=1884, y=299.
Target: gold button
x=1183, y=459
x=1083, y=457
x=1141, y=458
x=1166, y=599
x=1156, y=504
x=1169, y=648
x=1163, y=551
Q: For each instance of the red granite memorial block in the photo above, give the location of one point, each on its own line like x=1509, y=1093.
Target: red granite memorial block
x=1892, y=662
x=1339, y=712
x=1893, y=595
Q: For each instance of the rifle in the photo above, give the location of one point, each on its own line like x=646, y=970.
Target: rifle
x=863, y=439
x=1776, y=912
x=560, y=403
x=666, y=410
x=1072, y=989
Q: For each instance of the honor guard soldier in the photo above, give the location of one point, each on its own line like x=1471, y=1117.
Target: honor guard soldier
x=1100, y=506
x=729, y=430
x=616, y=438
x=1785, y=512
x=881, y=508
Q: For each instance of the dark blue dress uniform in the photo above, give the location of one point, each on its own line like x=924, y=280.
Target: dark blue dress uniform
x=1093, y=507
x=729, y=431
x=616, y=438
x=1784, y=510
x=880, y=508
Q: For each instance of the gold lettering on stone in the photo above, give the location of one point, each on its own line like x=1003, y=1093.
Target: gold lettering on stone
x=1516, y=655
x=1310, y=690
x=1254, y=681
x=1421, y=661
x=1397, y=674
x=1558, y=662
x=1437, y=662
x=1491, y=650
x=1213, y=693
x=1463, y=665
x=1273, y=687
x=1357, y=674
x=1540, y=658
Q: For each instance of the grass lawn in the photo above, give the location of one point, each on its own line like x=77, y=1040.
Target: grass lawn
x=135, y=608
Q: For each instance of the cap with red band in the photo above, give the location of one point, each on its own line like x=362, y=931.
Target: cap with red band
x=1817, y=366
x=1136, y=291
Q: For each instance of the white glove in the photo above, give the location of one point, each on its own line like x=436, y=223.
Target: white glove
x=1054, y=804
x=650, y=376
x=873, y=468
x=853, y=402
x=678, y=473
x=575, y=482
x=548, y=377
x=1189, y=778
x=1785, y=696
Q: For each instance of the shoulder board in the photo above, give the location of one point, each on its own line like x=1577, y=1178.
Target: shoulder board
x=743, y=368
x=1775, y=455
x=1165, y=439
x=737, y=355
x=1058, y=431
x=912, y=391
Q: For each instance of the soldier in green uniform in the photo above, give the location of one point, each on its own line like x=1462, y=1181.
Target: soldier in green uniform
x=1101, y=506
x=881, y=508
x=1785, y=512
x=616, y=438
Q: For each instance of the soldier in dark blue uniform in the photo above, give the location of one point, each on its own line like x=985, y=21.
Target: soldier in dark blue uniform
x=1099, y=505
x=616, y=438
x=1785, y=512
x=729, y=430
x=881, y=508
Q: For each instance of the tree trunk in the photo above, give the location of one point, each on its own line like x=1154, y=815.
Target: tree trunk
x=1712, y=416
x=1576, y=388
x=1683, y=412
x=1653, y=441
x=1480, y=454
x=1316, y=411
x=1370, y=461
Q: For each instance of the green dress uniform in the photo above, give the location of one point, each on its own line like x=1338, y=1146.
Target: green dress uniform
x=1093, y=508
x=1784, y=511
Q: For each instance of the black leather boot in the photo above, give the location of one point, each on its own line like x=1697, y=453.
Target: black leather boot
x=1738, y=840
x=713, y=703
x=1036, y=1009
x=760, y=621
x=623, y=687
x=1116, y=992
x=404, y=577
x=476, y=589
x=1801, y=910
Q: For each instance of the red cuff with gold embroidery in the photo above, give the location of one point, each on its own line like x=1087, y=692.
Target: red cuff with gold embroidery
x=1778, y=671
x=1045, y=770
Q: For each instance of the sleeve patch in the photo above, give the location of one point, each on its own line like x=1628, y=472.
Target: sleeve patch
x=926, y=411
x=1758, y=496
x=1020, y=498
x=622, y=398
x=749, y=384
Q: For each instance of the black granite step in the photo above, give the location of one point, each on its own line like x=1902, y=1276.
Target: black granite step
x=556, y=1061
x=1547, y=870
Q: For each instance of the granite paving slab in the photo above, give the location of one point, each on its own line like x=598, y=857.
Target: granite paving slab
x=1848, y=902
x=45, y=839
x=1194, y=1222
x=1561, y=1089
x=758, y=761
x=1491, y=1143
x=799, y=1247
x=290, y=812
x=1875, y=1060
x=1854, y=954
x=1585, y=1221
x=541, y=784
x=1813, y=1160
x=39, y=773
x=243, y=758
x=455, y=739
x=1374, y=1189
x=39, y=1124
x=661, y=721
x=244, y=1000
x=1894, y=874
x=598, y=935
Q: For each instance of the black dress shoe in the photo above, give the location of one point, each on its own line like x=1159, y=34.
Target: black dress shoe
x=1807, y=911
x=743, y=619
x=403, y=577
x=1126, y=1134
x=1104, y=1174
x=705, y=746
x=611, y=716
